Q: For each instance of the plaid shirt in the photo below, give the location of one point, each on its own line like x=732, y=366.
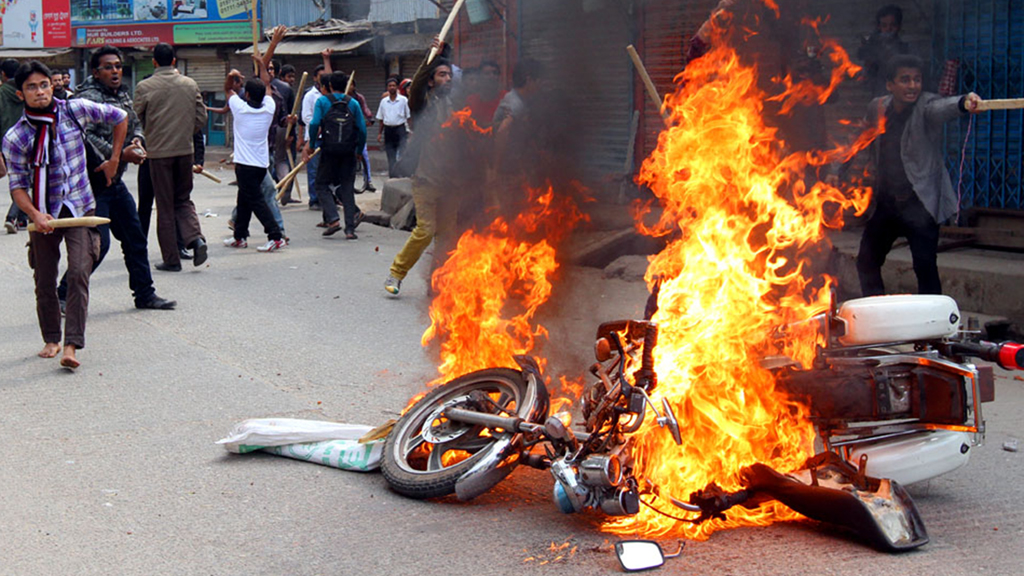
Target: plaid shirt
x=66, y=172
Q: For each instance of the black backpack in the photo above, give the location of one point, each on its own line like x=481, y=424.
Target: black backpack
x=338, y=129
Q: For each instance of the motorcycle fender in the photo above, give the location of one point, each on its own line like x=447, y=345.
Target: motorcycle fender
x=501, y=459
x=537, y=402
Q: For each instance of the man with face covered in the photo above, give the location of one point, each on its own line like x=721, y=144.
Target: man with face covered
x=431, y=107
x=881, y=46
x=114, y=201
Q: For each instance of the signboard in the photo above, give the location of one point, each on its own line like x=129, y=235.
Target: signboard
x=35, y=24
x=149, y=22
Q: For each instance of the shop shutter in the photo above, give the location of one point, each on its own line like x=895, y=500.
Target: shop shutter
x=370, y=77
x=208, y=72
x=667, y=28
x=582, y=46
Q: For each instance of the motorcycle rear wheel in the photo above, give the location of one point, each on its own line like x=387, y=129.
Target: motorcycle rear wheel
x=426, y=454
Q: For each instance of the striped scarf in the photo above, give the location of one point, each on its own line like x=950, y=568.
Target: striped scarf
x=45, y=122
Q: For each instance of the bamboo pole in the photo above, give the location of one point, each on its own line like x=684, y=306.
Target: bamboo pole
x=351, y=79
x=296, y=106
x=72, y=222
x=284, y=181
x=211, y=176
x=1002, y=104
x=452, y=16
x=255, y=39
x=652, y=91
x=291, y=128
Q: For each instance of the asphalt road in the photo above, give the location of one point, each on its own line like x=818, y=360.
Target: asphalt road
x=114, y=470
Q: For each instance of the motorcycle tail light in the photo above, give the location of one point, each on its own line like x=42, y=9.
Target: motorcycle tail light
x=1011, y=356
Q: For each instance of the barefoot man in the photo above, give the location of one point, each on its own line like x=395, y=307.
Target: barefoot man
x=48, y=177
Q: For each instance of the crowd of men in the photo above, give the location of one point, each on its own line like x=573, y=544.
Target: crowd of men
x=66, y=153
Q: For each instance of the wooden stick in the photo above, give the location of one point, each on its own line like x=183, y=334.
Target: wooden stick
x=351, y=79
x=255, y=39
x=290, y=175
x=211, y=177
x=1004, y=104
x=444, y=29
x=652, y=92
x=72, y=222
x=295, y=107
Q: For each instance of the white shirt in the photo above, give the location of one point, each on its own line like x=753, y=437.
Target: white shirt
x=394, y=112
x=251, y=126
x=308, y=103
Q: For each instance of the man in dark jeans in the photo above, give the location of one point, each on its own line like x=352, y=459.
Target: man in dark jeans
x=336, y=174
x=114, y=201
x=913, y=194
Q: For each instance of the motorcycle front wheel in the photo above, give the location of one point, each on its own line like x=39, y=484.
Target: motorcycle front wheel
x=426, y=454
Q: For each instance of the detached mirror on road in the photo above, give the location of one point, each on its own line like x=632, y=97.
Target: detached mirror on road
x=636, y=555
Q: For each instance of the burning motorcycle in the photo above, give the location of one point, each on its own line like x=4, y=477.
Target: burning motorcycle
x=892, y=395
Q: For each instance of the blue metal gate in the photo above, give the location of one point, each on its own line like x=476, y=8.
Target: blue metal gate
x=987, y=38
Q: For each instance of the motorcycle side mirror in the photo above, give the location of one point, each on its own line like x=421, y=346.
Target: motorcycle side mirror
x=637, y=555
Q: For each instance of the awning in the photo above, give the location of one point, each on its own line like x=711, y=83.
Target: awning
x=32, y=53
x=311, y=46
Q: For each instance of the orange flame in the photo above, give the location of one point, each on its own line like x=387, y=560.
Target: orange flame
x=741, y=215
x=489, y=289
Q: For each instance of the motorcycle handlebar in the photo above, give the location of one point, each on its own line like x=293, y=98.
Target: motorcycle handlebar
x=1008, y=355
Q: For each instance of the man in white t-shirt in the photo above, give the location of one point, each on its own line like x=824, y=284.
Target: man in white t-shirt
x=308, y=102
x=252, y=118
x=394, y=115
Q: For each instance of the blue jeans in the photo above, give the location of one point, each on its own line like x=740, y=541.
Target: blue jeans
x=311, y=167
x=366, y=165
x=117, y=204
x=270, y=196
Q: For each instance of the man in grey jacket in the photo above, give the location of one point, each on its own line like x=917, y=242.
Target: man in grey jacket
x=913, y=194
x=165, y=103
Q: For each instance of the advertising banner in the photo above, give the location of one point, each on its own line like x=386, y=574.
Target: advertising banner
x=148, y=22
x=35, y=24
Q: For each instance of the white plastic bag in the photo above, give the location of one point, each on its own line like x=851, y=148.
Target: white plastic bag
x=258, y=433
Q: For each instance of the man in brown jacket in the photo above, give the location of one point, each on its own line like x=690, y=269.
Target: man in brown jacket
x=162, y=102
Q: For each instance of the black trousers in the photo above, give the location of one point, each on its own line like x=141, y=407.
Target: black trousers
x=250, y=201
x=894, y=219
x=116, y=203
x=336, y=176
x=146, y=202
x=394, y=141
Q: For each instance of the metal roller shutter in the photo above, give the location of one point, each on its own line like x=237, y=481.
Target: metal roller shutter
x=370, y=77
x=208, y=72
x=667, y=29
x=583, y=47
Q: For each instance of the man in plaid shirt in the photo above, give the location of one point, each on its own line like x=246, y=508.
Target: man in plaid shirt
x=49, y=179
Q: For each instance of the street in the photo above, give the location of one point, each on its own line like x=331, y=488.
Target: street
x=114, y=470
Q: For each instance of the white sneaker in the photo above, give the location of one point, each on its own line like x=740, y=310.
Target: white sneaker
x=272, y=245
x=232, y=243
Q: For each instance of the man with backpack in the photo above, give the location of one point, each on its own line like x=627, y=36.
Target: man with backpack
x=339, y=129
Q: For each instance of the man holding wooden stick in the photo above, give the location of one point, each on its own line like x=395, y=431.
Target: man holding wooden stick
x=49, y=179
x=170, y=107
x=913, y=193
x=431, y=107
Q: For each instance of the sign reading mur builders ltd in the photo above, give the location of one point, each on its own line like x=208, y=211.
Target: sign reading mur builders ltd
x=148, y=22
